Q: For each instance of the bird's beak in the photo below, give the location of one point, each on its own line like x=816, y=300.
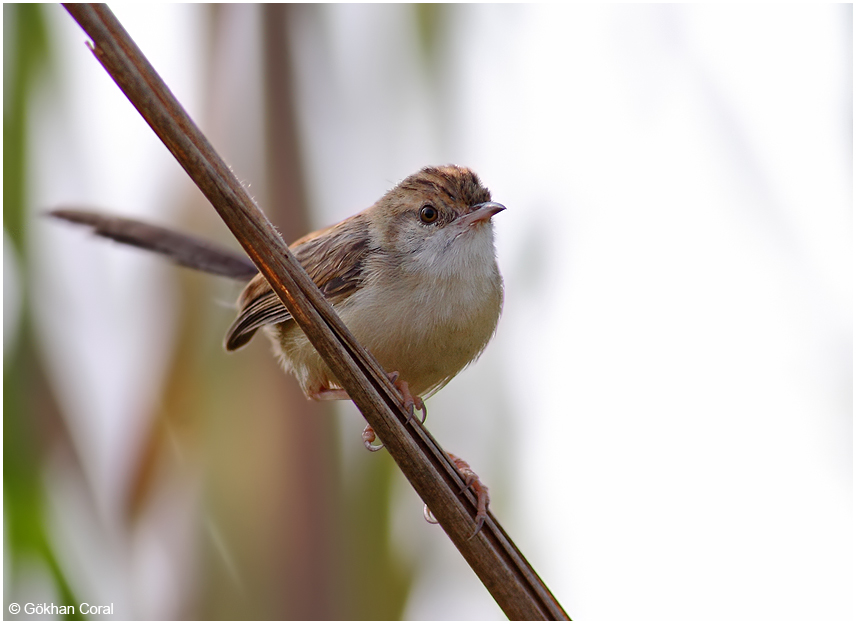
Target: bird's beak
x=480, y=213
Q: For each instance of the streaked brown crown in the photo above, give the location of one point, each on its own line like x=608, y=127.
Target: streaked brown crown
x=459, y=184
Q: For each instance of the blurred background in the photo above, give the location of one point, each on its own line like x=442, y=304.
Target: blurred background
x=664, y=417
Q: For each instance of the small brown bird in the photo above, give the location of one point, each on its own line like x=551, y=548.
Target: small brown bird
x=414, y=277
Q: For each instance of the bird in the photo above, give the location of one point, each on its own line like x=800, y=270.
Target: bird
x=414, y=277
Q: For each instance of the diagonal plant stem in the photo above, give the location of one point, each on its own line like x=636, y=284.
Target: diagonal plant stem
x=492, y=555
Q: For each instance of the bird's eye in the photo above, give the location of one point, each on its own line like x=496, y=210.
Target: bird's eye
x=429, y=214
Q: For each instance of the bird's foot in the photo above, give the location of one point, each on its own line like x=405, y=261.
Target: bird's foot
x=471, y=480
x=369, y=438
x=408, y=401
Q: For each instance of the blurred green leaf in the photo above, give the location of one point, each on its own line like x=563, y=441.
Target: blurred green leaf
x=25, y=391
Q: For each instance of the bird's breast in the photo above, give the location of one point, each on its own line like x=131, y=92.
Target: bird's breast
x=424, y=327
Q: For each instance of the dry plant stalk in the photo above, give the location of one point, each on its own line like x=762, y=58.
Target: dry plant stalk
x=491, y=554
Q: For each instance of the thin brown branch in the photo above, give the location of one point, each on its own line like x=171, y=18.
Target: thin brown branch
x=494, y=558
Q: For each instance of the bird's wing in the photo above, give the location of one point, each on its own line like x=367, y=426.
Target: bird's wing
x=333, y=258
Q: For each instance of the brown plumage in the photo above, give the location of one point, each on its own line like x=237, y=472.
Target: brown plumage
x=414, y=278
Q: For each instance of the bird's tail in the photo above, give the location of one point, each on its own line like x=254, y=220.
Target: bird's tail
x=182, y=249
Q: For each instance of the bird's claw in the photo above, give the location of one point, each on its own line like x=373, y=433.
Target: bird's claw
x=409, y=402
x=428, y=516
x=471, y=480
x=369, y=438
x=420, y=405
